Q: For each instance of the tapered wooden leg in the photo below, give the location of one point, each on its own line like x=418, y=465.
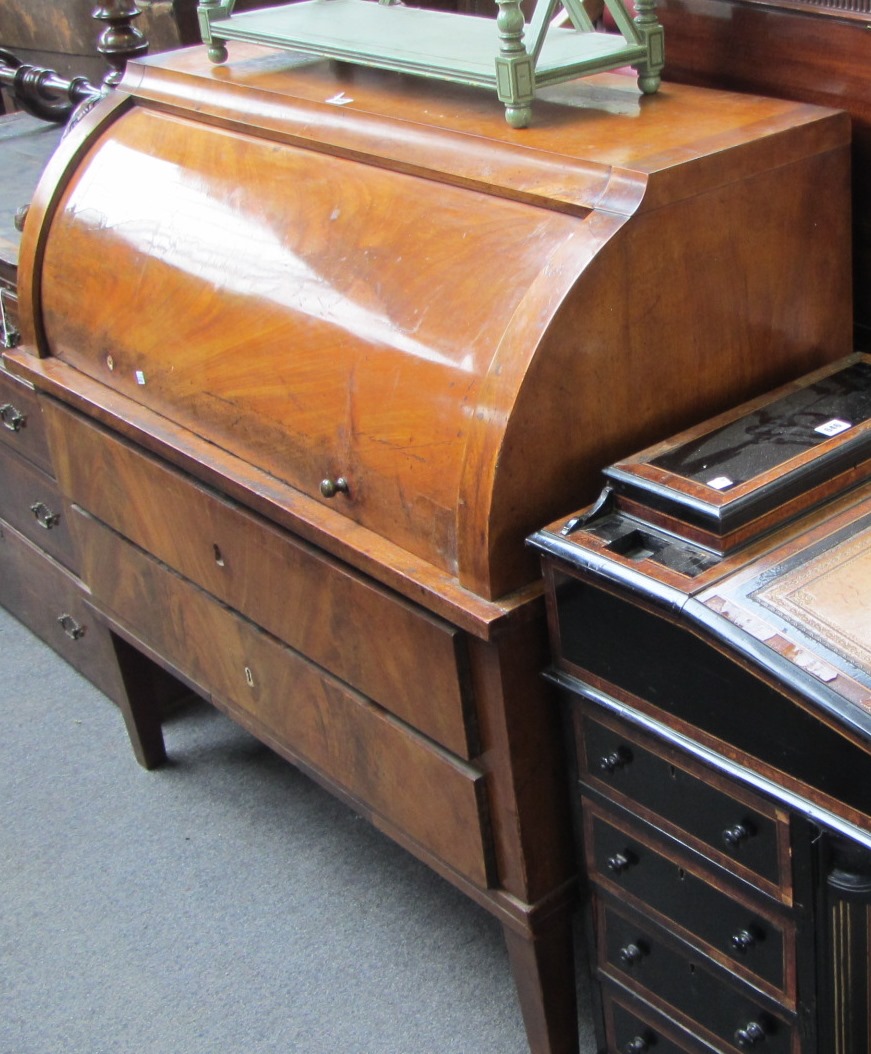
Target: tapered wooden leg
x=544, y=973
x=141, y=710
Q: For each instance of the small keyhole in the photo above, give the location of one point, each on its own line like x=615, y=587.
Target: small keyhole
x=219, y=556
x=681, y=874
x=672, y=771
x=249, y=677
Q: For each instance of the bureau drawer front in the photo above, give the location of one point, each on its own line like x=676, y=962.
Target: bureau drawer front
x=435, y=799
x=680, y=982
x=734, y=828
x=51, y=603
x=627, y=1031
x=21, y=423
x=31, y=502
x=757, y=945
x=406, y=660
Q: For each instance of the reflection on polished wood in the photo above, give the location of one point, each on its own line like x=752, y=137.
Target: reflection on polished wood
x=288, y=273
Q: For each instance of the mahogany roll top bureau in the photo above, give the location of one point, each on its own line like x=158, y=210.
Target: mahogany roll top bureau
x=711, y=627
x=316, y=348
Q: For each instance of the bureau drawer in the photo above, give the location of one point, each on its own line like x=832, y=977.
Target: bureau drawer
x=731, y=826
x=51, y=603
x=629, y=1032
x=31, y=502
x=758, y=946
x=21, y=424
x=432, y=797
x=681, y=984
x=409, y=662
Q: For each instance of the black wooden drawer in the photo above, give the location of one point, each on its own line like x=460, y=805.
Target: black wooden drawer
x=731, y=826
x=21, y=424
x=682, y=984
x=757, y=945
x=630, y=1032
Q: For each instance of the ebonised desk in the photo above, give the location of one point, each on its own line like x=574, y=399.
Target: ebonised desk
x=711, y=631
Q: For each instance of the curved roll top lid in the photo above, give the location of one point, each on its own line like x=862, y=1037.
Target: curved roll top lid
x=318, y=317
x=450, y=328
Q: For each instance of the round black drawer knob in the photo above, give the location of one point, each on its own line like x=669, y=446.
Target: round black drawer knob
x=638, y=1045
x=616, y=760
x=743, y=941
x=750, y=1036
x=619, y=862
x=630, y=954
x=737, y=834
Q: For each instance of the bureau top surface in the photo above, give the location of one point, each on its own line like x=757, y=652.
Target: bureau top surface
x=682, y=138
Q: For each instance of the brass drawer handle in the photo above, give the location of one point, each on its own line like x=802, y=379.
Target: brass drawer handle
x=44, y=516
x=12, y=417
x=331, y=487
x=72, y=628
x=748, y=1036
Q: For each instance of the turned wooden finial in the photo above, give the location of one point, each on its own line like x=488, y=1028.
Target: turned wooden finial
x=120, y=41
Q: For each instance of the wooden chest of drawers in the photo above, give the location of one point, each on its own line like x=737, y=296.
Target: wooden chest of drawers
x=333, y=347
x=711, y=631
x=40, y=572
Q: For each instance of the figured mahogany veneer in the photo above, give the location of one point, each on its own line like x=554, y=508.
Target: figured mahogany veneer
x=317, y=347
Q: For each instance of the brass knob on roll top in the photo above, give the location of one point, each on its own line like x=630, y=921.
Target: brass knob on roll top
x=331, y=487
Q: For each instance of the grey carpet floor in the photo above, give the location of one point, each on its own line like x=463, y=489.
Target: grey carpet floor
x=223, y=904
